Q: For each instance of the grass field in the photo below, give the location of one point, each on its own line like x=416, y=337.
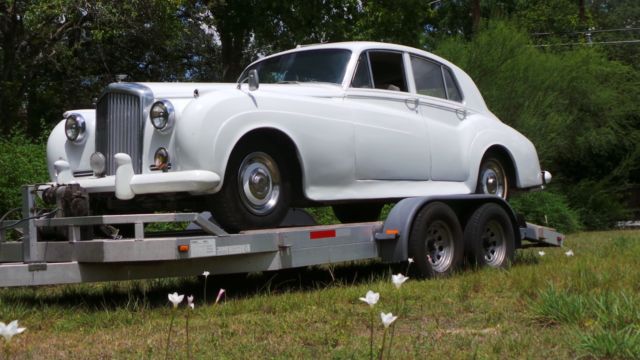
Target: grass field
x=544, y=307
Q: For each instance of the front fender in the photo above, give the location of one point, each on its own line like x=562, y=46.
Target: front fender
x=197, y=131
x=323, y=138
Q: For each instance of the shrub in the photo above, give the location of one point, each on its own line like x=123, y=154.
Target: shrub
x=323, y=215
x=548, y=208
x=22, y=161
x=602, y=203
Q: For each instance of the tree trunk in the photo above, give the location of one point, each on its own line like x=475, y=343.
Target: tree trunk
x=475, y=15
x=582, y=15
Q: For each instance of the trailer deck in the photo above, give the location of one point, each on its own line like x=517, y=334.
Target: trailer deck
x=33, y=261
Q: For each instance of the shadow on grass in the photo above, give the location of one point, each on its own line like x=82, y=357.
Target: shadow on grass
x=147, y=294
x=526, y=258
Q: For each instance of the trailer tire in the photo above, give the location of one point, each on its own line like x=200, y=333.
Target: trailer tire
x=489, y=237
x=436, y=241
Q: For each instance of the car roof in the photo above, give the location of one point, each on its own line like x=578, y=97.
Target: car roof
x=358, y=46
x=473, y=97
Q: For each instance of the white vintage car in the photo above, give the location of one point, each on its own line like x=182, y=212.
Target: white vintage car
x=353, y=125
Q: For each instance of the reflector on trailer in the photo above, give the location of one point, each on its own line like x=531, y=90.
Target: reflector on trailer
x=322, y=234
x=183, y=248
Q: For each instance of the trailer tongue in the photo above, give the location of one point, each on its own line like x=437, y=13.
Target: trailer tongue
x=438, y=232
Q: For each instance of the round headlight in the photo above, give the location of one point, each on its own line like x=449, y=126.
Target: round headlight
x=74, y=127
x=162, y=115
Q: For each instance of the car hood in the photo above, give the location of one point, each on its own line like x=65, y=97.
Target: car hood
x=186, y=90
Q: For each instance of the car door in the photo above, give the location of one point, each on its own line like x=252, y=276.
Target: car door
x=441, y=106
x=390, y=135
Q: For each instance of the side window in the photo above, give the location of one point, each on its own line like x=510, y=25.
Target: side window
x=428, y=78
x=433, y=79
x=452, y=87
x=388, y=70
x=362, y=77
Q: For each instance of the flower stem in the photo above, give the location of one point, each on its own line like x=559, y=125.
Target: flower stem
x=205, y=289
x=371, y=334
x=384, y=339
x=393, y=330
x=7, y=350
x=393, y=326
x=173, y=316
x=188, y=344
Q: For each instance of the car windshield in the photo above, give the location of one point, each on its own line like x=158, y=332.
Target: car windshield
x=327, y=65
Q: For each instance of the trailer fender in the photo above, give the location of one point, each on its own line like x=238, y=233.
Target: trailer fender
x=393, y=240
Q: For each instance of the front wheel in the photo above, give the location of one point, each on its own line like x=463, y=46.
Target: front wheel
x=492, y=178
x=256, y=192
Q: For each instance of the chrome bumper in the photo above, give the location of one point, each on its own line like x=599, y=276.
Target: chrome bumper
x=126, y=184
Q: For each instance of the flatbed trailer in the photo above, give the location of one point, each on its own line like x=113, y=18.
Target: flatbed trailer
x=437, y=232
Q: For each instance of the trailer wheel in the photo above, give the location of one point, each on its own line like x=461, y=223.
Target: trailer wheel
x=489, y=237
x=355, y=213
x=435, y=242
x=257, y=188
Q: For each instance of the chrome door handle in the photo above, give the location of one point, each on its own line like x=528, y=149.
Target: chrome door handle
x=461, y=113
x=413, y=103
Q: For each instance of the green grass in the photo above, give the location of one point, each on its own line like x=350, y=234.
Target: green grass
x=553, y=306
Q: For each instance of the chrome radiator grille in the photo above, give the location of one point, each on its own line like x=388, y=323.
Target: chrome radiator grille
x=119, y=128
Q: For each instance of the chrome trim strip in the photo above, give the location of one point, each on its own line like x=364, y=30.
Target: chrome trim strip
x=82, y=173
x=438, y=106
x=398, y=99
x=408, y=100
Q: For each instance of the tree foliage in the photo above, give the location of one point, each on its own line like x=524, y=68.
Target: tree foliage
x=579, y=108
x=577, y=102
x=60, y=54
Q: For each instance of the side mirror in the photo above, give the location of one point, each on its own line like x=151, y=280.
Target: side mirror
x=254, y=81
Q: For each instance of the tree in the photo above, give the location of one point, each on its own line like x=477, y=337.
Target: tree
x=579, y=108
x=59, y=55
x=622, y=16
x=29, y=33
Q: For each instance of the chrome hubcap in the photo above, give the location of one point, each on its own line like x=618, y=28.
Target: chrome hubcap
x=439, y=245
x=259, y=183
x=493, y=243
x=493, y=179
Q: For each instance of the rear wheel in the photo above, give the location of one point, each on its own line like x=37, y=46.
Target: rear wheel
x=489, y=237
x=354, y=213
x=256, y=192
x=492, y=178
x=435, y=242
